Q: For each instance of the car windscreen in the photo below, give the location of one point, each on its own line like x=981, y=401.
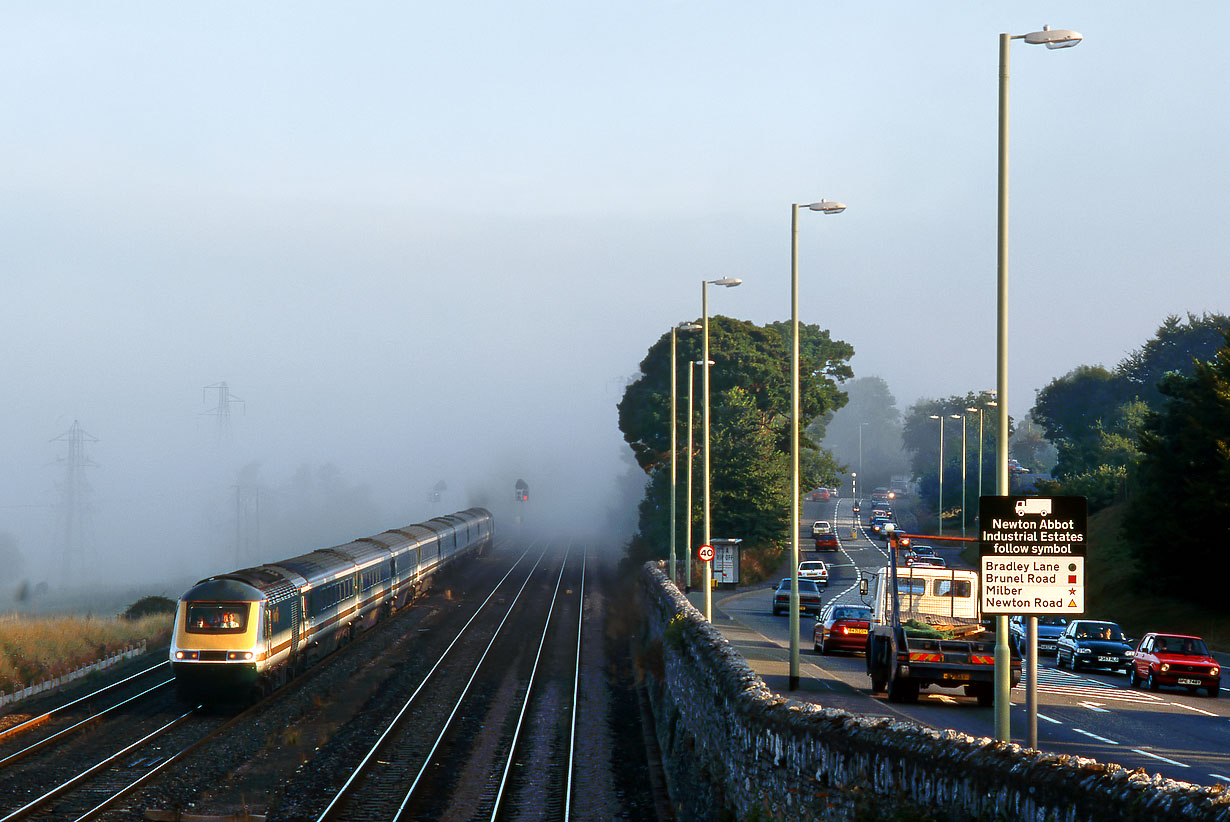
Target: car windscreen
x=1186, y=647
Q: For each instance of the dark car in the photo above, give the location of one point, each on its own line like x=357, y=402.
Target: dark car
x=925, y=551
x=1049, y=629
x=827, y=542
x=1093, y=644
x=844, y=629
x=1175, y=659
x=809, y=597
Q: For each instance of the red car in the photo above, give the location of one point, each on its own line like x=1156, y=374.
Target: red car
x=1174, y=659
x=845, y=629
x=827, y=542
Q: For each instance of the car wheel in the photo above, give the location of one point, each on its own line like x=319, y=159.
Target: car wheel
x=816, y=646
x=1151, y=681
x=1214, y=691
x=1133, y=682
x=824, y=646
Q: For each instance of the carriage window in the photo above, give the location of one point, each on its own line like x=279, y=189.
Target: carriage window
x=217, y=617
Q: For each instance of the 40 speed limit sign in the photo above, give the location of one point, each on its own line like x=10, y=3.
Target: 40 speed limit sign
x=705, y=553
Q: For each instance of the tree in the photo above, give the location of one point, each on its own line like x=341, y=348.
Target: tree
x=750, y=418
x=1183, y=474
x=868, y=426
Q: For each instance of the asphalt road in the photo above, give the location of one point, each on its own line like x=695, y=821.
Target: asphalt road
x=1089, y=714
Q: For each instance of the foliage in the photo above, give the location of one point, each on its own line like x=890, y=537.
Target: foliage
x=750, y=426
x=33, y=649
x=1183, y=475
x=921, y=435
x=1102, y=486
x=148, y=606
x=865, y=434
x=1093, y=415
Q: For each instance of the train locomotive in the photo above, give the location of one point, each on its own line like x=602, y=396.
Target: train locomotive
x=243, y=634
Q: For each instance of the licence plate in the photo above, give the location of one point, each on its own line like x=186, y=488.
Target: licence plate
x=1188, y=681
x=958, y=677
x=857, y=630
x=1108, y=659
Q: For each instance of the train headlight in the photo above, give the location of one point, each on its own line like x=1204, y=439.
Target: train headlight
x=187, y=654
x=238, y=654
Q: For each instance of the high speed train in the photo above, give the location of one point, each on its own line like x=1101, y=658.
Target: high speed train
x=243, y=634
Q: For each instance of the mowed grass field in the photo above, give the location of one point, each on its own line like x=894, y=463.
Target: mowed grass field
x=35, y=648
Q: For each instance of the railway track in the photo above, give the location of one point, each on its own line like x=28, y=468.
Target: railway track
x=464, y=737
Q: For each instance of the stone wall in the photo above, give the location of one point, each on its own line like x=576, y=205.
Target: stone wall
x=735, y=750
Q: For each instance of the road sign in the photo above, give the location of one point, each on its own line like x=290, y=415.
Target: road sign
x=705, y=553
x=1032, y=555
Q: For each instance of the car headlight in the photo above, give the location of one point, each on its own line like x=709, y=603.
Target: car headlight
x=1164, y=667
x=1083, y=651
x=1129, y=652
x=1214, y=671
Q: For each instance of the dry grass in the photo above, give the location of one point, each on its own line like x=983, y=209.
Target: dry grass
x=33, y=649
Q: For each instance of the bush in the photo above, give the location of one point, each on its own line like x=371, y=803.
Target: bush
x=149, y=606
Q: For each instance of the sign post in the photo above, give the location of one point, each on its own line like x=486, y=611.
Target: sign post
x=1032, y=562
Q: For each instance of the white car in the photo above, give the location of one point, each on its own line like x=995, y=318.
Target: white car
x=815, y=570
x=820, y=527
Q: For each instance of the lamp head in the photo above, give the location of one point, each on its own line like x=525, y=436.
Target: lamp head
x=828, y=207
x=955, y=416
x=689, y=326
x=936, y=417
x=1054, y=38
x=729, y=282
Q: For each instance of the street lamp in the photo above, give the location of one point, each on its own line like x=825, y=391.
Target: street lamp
x=687, y=555
x=824, y=207
x=1052, y=39
x=961, y=417
x=687, y=326
x=728, y=282
x=940, y=417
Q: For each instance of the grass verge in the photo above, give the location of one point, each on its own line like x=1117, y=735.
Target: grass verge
x=33, y=649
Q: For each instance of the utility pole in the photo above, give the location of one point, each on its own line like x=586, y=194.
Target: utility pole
x=222, y=398
x=75, y=521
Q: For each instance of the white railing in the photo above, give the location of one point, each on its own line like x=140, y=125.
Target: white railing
x=51, y=683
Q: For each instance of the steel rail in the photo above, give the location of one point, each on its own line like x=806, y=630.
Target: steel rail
x=464, y=692
x=44, y=717
x=529, y=690
x=392, y=726
x=576, y=687
x=32, y=748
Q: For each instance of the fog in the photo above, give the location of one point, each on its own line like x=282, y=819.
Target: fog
x=431, y=243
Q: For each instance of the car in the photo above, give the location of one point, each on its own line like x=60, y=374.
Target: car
x=820, y=527
x=822, y=494
x=827, y=542
x=1094, y=644
x=881, y=495
x=1178, y=660
x=925, y=551
x=833, y=493
x=809, y=597
x=844, y=629
x=815, y=570
x=925, y=562
x=1049, y=629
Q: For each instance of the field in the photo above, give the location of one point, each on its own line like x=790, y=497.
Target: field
x=34, y=648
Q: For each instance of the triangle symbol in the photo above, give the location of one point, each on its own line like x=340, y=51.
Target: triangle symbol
x=1072, y=604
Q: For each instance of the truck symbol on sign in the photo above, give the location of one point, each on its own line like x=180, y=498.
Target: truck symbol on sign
x=1033, y=506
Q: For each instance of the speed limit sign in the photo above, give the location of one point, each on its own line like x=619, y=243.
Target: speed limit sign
x=706, y=553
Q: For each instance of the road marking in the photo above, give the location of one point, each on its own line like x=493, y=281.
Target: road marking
x=1094, y=706
x=1164, y=759
x=1190, y=708
x=1048, y=719
x=1219, y=776
x=1095, y=736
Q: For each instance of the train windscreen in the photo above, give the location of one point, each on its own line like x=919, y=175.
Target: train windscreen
x=218, y=617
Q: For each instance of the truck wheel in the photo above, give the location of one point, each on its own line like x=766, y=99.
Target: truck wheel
x=903, y=690
x=984, y=693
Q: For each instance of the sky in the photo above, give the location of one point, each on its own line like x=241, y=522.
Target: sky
x=430, y=242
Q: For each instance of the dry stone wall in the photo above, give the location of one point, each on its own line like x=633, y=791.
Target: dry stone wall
x=735, y=750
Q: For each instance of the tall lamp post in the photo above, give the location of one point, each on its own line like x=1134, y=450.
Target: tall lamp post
x=728, y=282
x=824, y=207
x=687, y=555
x=1052, y=39
x=961, y=417
x=674, y=444
x=940, y=417
x=861, y=426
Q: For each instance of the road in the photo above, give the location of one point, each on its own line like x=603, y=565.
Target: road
x=1088, y=714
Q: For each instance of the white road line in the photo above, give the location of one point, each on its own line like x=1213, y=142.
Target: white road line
x=1190, y=708
x=1162, y=758
x=1221, y=777
x=1048, y=719
x=1093, y=706
x=1095, y=736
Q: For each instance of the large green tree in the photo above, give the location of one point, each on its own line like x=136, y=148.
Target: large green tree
x=1183, y=477
x=750, y=411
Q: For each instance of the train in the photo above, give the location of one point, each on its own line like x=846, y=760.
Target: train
x=241, y=635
